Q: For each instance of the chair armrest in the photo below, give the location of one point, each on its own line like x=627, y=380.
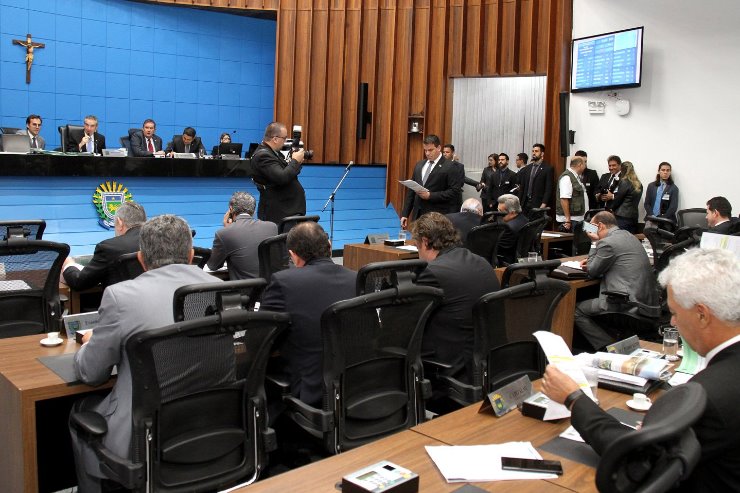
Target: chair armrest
x=461, y=393
x=662, y=222
x=435, y=365
x=89, y=423
x=308, y=417
x=279, y=382
x=617, y=297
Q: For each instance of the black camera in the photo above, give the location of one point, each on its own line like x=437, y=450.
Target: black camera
x=293, y=144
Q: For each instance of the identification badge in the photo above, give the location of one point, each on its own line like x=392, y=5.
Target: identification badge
x=666, y=196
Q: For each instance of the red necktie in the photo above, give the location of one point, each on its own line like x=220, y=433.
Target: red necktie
x=150, y=146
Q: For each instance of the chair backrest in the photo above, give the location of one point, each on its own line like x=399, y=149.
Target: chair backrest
x=662, y=261
x=692, y=217
x=29, y=286
x=529, y=237
x=75, y=131
x=591, y=213
x=128, y=266
x=492, y=217
x=483, y=240
x=287, y=223
x=200, y=300
x=372, y=363
x=9, y=130
x=663, y=452
x=503, y=323
x=273, y=255
x=377, y=276
x=659, y=239
x=581, y=242
x=63, y=137
x=32, y=229
x=126, y=143
x=527, y=272
x=198, y=390
x=201, y=256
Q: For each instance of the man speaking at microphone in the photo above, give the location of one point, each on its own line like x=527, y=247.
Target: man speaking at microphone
x=281, y=194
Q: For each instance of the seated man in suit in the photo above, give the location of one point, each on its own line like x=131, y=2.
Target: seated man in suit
x=129, y=307
x=442, y=180
x=464, y=277
x=515, y=221
x=237, y=242
x=719, y=215
x=33, y=127
x=89, y=140
x=102, y=269
x=702, y=289
x=305, y=292
x=145, y=143
x=187, y=142
x=469, y=217
x=623, y=266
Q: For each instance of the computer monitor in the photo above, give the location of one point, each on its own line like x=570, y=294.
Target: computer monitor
x=16, y=143
x=232, y=148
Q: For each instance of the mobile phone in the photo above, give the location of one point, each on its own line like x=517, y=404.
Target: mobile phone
x=531, y=465
x=590, y=228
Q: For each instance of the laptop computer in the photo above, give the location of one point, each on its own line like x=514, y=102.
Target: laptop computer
x=16, y=143
x=230, y=149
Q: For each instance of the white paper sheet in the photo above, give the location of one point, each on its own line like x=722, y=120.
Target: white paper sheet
x=483, y=462
x=413, y=186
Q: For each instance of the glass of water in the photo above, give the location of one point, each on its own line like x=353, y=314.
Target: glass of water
x=670, y=343
x=532, y=257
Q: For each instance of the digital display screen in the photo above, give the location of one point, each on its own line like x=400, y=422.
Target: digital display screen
x=607, y=61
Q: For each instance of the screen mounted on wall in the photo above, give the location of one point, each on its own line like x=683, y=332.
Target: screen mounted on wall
x=607, y=61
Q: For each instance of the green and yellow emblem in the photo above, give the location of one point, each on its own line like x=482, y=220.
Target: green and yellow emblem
x=107, y=198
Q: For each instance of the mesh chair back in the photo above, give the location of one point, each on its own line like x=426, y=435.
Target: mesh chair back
x=503, y=323
x=287, y=223
x=201, y=256
x=273, y=255
x=200, y=300
x=672, y=251
x=372, y=364
x=128, y=266
x=32, y=229
x=696, y=217
x=377, y=276
x=663, y=452
x=29, y=286
x=529, y=237
x=483, y=240
x=198, y=389
x=527, y=272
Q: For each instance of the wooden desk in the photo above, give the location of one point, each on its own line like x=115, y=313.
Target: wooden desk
x=405, y=448
x=24, y=381
x=358, y=254
x=545, y=241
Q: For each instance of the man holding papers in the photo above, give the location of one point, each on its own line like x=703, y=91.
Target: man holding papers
x=702, y=289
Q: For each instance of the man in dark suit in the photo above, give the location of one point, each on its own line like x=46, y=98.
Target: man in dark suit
x=702, y=286
x=305, y=292
x=609, y=193
x=89, y=140
x=521, y=165
x=623, y=266
x=536, y=183
x=441, y=179
x=515, y=221
x=464, y=277
x=128, y=308
x=186, y=143
x=281, y=194
x=590, y=179
x=101, y=268
x=719, y=215
x=448, y=151
x=145, y=143
x=33, y=127
x=501, y=181
x=469, y=217
x=237, y=242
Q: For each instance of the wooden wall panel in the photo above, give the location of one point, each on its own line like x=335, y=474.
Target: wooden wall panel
x=409, y=52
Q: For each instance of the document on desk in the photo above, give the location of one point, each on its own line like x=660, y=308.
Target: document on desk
x=559, y=354
x=545, y=234
x=413, y=186
x=408, y=248
x=461, y=464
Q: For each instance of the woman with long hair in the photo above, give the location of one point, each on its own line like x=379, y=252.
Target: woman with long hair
x=627, y=212
x=661, y=196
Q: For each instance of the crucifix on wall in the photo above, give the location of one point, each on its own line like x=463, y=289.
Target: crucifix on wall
x=30, y=46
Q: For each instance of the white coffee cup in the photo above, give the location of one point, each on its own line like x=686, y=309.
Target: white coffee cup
x=641, y=399
x=52, y=336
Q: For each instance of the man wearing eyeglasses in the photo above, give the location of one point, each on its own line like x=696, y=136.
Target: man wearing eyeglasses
x=281, y=194
x=33, y=127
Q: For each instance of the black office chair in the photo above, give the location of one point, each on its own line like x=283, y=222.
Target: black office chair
x=273, y=255
x=200, y=300
x=32, y=229
x=661, y=261
x=287, y=223
x=201, y=256
x=73, y=131
x=625, y=317
x=9, y=130
x=199, y=420
x=128, y=266
x=62, y=137
x=527, y=272
x=483, y=240
x=529, y=237
x=692, y=217
x=659, y=239
x=492, y=217
x=373, y=377
x=662, y=453
x=29, y=289
x=126, y=140
x=377, y=276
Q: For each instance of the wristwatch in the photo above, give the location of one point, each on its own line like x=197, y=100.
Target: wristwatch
x=572, y=398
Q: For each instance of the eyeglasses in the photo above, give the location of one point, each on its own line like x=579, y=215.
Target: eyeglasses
x=281, y=137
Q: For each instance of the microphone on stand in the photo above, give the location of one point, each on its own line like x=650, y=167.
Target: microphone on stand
x=349, y=165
